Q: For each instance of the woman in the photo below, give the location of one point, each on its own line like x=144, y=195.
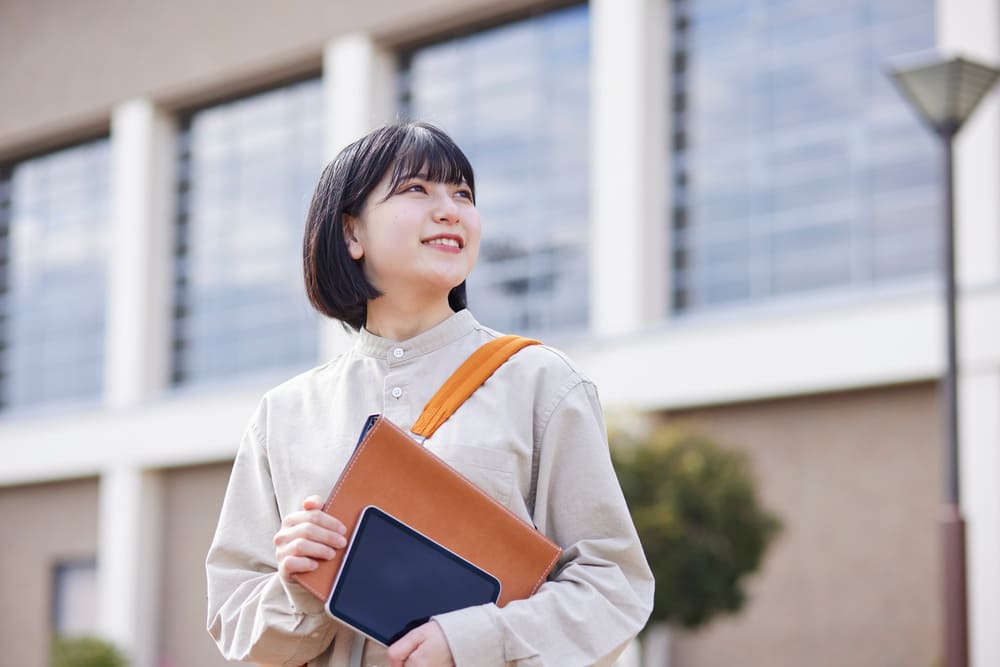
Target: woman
x=391, y=235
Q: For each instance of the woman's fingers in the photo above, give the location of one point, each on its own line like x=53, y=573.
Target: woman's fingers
x=311, y=532
x=303, y=547
x=307, y=536
x=300, y=554
x=424, y=645
x=314, y=516
x=312, y=503
x=295, y=565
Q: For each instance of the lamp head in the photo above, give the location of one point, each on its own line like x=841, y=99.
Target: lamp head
x=944, y=91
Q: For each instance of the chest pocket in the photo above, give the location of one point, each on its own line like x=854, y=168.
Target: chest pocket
x=492, y=470
x=310, y=467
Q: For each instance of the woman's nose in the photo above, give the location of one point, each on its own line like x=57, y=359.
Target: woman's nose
x=445, y=208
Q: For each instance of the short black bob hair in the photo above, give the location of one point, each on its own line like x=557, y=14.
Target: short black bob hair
x=335, y=282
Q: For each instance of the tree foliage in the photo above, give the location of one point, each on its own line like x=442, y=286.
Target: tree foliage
x=696, y=509
x=85, y=652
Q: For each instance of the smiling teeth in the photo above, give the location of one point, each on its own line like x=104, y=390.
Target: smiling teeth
x=449, y=242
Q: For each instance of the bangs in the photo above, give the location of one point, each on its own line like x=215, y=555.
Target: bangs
x=426, y=152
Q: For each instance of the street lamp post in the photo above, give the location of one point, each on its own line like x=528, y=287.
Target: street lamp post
x=945, y=92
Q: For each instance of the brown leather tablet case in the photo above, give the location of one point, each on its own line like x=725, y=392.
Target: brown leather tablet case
x=390, y=470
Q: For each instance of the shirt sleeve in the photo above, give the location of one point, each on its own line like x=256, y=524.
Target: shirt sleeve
x=253, y=614
x=601, y=592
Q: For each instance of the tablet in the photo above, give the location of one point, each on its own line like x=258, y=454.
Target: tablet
x=394, y=579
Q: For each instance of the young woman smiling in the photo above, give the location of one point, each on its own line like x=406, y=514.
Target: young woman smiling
x=391, y=236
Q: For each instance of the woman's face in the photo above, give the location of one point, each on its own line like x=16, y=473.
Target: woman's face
x=421, y=238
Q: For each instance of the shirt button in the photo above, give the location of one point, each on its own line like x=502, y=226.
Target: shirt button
x=396, y=392
x=398, y=353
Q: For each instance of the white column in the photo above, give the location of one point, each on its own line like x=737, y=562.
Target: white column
x=128, y=561
x=358, y=78
x=141, y=249
x=358, y=85
x=979, y=434
x=628, y=156
x=972, y=28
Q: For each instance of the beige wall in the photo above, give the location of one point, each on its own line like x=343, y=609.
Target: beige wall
x=66, y=64
x=853, y=580
x=41, y=525
x=192, y=498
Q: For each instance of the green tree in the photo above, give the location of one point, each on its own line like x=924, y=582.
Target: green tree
x=702, y=527
x=85, y=652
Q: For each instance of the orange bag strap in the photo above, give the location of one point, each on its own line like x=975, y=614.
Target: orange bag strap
x=473, y=372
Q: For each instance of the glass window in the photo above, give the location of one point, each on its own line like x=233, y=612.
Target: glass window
x=74, y=599
x=515, y=98
x=247, y=171
x=796, y=166
x=54, y=212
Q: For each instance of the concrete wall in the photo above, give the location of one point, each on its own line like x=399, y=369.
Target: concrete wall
x=70, y=62
x=41, y=525
x=192, y=498
x=854, y=577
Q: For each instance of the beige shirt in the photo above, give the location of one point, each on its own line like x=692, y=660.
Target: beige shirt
x=302, y=434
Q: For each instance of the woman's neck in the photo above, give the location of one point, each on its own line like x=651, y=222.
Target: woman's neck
x=401, y=319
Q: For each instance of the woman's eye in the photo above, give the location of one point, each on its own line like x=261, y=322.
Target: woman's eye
x=413, y=187
x=465, y=193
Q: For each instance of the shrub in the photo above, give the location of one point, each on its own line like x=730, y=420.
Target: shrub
x=85, y=652
x=703, y=530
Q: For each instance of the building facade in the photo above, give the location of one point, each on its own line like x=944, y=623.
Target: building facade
x=720, y=209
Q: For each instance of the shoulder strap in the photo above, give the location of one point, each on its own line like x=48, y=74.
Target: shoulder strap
x=466, y=379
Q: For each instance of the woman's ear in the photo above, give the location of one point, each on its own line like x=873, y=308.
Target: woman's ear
x=354, y=247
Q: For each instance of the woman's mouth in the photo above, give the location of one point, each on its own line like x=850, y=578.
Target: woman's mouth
x=444, y=242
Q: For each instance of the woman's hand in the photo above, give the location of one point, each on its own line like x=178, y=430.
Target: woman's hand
x=421, y=647
x=306, y=537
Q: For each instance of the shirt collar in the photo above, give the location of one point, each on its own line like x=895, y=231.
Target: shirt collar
x=450, y=330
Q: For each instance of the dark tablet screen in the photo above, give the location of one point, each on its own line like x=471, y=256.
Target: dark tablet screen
x=394, y=579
